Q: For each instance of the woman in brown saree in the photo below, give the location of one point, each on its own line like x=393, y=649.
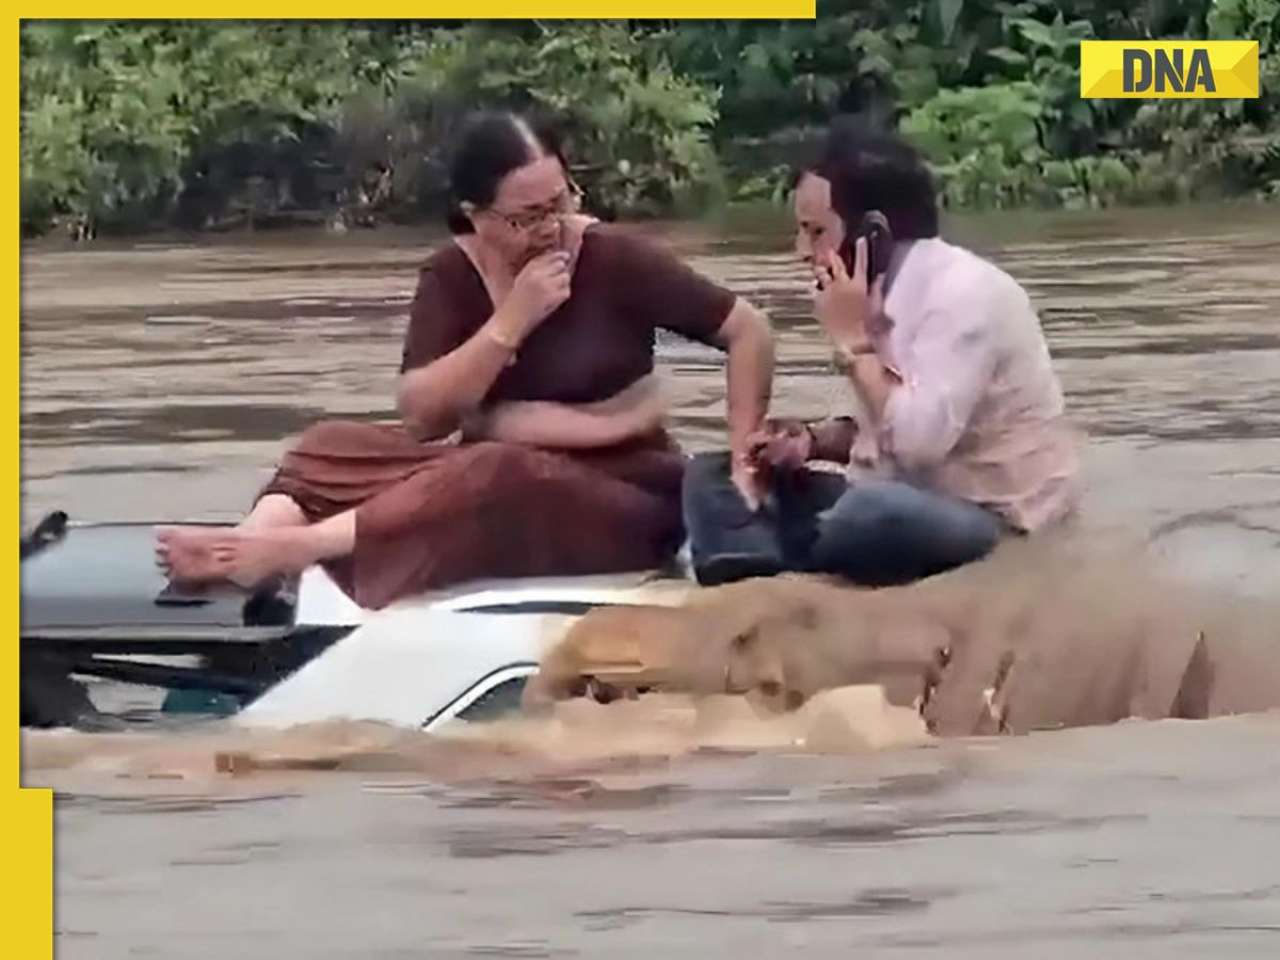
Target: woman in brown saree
x=531, y=441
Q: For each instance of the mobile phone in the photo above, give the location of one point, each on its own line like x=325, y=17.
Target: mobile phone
x=875, y=228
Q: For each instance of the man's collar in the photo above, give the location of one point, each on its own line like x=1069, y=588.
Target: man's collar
x=881, y=325
x=896, y=259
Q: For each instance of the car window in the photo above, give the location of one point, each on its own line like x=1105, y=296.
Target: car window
x=502, y=699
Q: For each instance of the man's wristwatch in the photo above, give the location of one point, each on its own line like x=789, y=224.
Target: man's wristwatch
x=846, y=353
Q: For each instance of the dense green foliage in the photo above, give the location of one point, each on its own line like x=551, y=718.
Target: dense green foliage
x=128, y=125
x=990, y=89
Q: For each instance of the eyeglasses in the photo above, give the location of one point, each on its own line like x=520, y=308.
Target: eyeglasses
x=566, y=203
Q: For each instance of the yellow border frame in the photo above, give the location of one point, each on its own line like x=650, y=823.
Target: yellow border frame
x=477, y=10
x=27, y=814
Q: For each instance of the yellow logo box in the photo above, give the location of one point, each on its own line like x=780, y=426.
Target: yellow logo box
x=1168, y=69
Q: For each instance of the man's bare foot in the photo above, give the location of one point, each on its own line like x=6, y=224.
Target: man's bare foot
x=244, y=557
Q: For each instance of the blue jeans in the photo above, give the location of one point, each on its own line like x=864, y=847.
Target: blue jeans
x=877, y=533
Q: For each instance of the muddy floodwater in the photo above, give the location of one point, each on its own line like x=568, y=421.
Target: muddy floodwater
x=160, y=381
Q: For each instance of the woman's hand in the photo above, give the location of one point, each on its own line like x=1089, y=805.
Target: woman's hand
x=635, y=411
x=844, y=304
x=776, y=445
x=787, y=444
x=641, y=402
x=540, y=287
x=751, y=478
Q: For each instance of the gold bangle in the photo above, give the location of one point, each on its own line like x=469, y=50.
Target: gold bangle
x=500, y=340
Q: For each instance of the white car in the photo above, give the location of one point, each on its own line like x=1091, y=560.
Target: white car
x=94, y=604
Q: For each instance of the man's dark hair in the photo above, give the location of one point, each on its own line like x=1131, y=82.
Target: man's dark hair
x=875, y=170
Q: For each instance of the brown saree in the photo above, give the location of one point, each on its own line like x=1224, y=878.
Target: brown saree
x=433, y=514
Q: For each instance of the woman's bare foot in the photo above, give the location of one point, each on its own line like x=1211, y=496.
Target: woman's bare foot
x=189, y=549
x=202, y=554
x=244, y=557
x=249, y=555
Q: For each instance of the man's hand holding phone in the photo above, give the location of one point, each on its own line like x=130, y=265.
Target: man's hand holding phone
x=845, y=304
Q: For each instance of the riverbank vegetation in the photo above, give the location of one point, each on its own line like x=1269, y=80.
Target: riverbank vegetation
x=128, y=126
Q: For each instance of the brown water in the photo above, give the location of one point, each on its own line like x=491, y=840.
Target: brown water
x=160, y=381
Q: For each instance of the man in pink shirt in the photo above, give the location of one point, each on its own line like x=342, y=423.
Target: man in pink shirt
x=960, y=434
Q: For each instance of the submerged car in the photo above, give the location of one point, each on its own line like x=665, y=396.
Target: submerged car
x=95, y=605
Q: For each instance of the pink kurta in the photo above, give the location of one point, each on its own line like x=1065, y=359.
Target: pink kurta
x=979, y=414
